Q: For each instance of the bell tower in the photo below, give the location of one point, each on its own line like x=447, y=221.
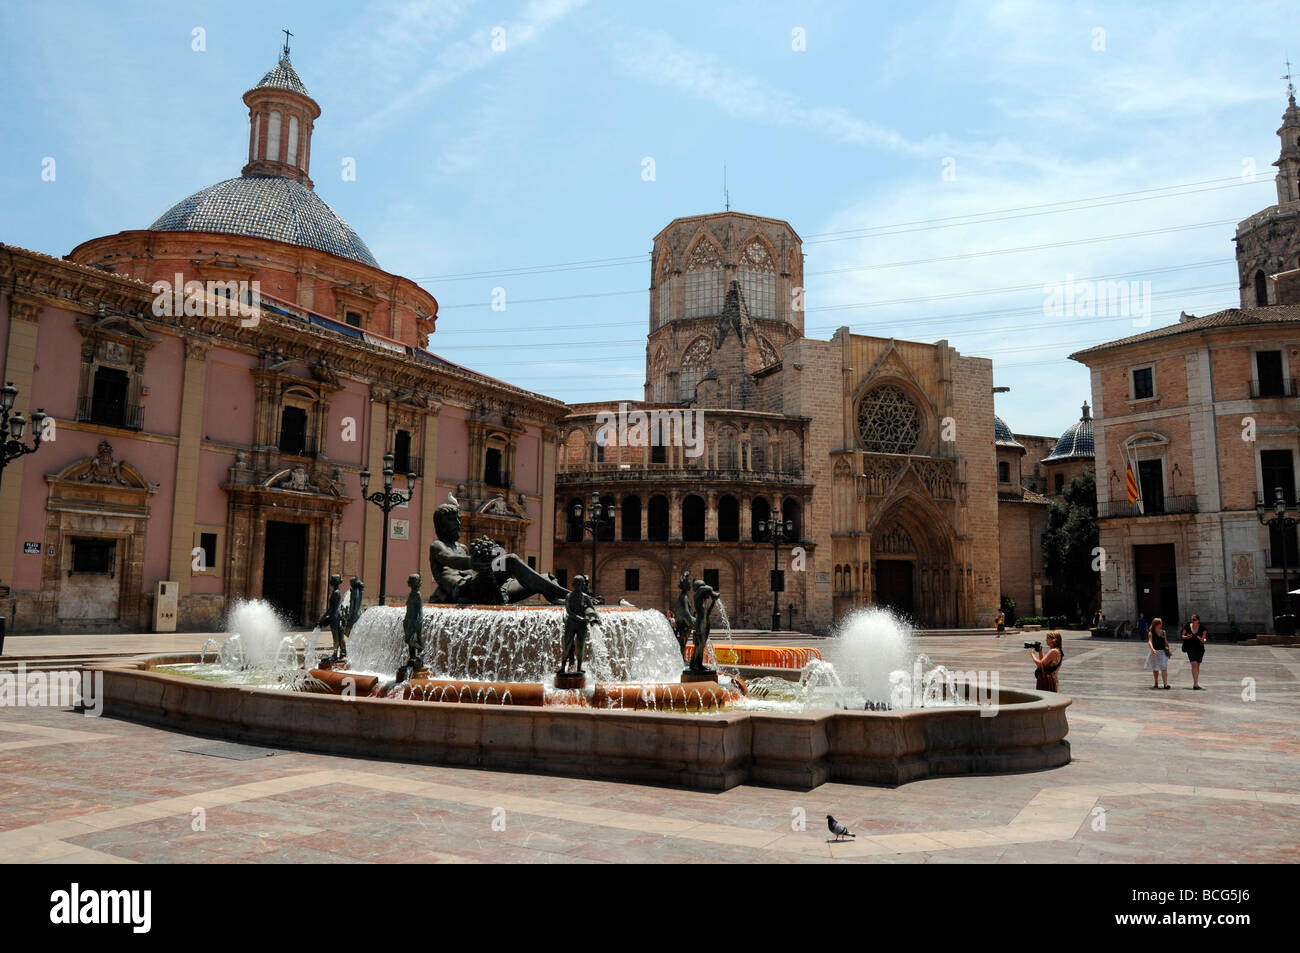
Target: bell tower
x=1269, y=241
x=281, y=115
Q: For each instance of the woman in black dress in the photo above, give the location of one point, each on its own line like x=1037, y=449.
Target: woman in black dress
x=1194, y=645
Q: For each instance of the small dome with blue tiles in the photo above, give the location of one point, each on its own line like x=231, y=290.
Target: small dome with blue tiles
x=1075, y=443
x=1002, y=435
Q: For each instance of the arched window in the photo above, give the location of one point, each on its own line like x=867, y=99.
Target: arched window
x=1261, y=289
x=631, y=517
x=888, y=422
x=292, y=145
x=693, y=519
x=657, y=518
x=607, y=508
x=695, y=363
x=273, y=136
x=704, y=280
x=839, y=579
x=729, y=519
x=663, y=289
x=758, y=449
x=758, y=279
x=790, y=513
x=791, y=453
x=759, y=511
x=573, y=522
x=727, y=458
x=659, y=376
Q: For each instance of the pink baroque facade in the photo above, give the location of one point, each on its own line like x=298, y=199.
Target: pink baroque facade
x=217, y=446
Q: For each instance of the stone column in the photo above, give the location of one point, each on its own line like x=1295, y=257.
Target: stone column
x=675, y=515
x=429, y=501
x=645, y=517
x=373, y=521
x=20, y=361
x=746, y=519
x=193, y=390
x=711, y=517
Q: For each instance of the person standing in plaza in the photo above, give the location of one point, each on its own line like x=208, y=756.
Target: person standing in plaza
x=1002, y=623
x=1194, y=638
x=1140, y=630
x=1049, y=663
x=1157, y=662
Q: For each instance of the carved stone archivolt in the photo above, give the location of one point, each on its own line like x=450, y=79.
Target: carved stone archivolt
x=894, y=541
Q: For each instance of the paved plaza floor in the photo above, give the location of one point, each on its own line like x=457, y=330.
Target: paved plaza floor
x=1157, y=776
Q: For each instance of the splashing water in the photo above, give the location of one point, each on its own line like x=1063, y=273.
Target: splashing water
x=517, y=644
x=876, y=668
x=255, y=651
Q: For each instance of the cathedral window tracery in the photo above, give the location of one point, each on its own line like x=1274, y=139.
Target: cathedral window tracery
x=888, y=422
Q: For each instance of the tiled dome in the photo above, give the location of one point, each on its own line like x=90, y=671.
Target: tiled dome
x=1075, y=443
x=1002, y=435
x=283, y=76
x=267, y=206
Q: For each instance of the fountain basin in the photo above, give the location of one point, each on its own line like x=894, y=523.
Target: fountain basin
x=704, y=751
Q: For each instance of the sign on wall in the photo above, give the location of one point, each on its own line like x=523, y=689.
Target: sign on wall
x=31, y=549
x=399, y=529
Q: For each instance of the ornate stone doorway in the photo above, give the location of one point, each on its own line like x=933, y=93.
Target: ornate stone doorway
x=914, y=568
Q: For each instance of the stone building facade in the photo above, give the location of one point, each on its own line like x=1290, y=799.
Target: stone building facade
x=1207, y=413
x=1220, y=430
x=878, y=452
x=216, y=445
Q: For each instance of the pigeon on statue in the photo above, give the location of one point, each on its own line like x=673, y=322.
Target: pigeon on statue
x=838, y=829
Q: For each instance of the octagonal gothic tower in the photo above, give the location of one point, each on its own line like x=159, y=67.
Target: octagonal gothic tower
x=726, y=297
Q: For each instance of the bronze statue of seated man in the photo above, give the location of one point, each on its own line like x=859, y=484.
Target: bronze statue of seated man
x=483, y=574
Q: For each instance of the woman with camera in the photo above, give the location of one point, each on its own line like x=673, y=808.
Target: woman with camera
x=1157, y=662
x=1194, y=637
x=1048, y=663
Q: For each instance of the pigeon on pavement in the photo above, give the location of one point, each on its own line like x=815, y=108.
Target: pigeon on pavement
x=838, y=829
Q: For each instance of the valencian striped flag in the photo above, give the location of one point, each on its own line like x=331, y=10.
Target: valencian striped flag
x=1132, y=486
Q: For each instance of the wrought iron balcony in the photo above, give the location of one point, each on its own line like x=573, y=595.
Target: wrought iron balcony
x=1275, y=387
x=1169, y=505
x=297, y=444
x=110, y=413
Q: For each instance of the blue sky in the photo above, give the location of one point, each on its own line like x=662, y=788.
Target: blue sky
x=872, y=141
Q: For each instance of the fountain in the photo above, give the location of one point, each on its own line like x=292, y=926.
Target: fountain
x=485, y=684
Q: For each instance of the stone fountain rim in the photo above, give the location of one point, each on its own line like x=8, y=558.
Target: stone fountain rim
x=1027, y=699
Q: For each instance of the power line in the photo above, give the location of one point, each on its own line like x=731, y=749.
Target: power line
x=910, y=323
x=1169, y=191
x=882, y=302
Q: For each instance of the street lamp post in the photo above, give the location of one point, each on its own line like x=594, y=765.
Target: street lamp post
x=598, y=515
x=13, y=426
x=779, y=533
x=1285, y=623
x=386, y=500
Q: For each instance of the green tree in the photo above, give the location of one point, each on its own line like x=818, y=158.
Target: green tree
x=1068, y=545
